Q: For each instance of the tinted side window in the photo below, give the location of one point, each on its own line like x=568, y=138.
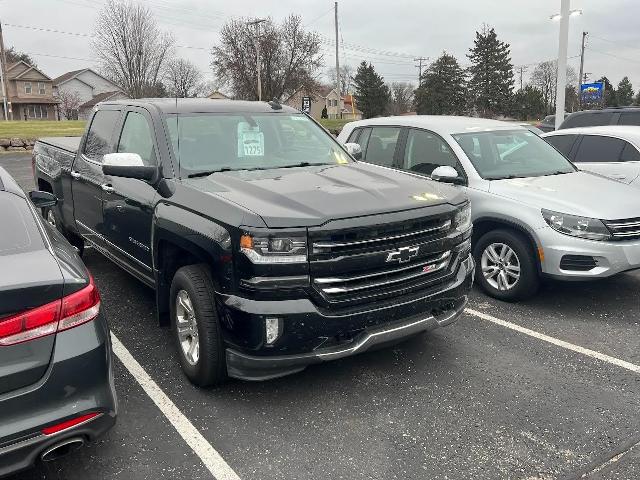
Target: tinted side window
x=363, y=139
x=99, y=135
x=20, y=233
x=629, y=118
x=354, y=135
x=425, y=151
x=136, y=138
x=382, y=145
x=563, y=143
x=588, y=120
x=594, y=148
x=630, y=154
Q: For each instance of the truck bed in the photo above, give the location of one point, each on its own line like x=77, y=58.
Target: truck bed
x=69, y=144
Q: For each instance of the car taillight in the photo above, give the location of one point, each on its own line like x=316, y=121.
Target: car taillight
x=70, y=311
x=60, y=427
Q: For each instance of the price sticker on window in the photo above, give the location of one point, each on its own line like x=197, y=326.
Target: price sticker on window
x=252, y=144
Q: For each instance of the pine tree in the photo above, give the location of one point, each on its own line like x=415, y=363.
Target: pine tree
x=491, y=83
x=442, y=89
x=625, y=92
x=371, y=94
x=610, y=94
x=528, y=103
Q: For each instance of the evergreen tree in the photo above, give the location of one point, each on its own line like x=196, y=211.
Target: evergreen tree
x=491, y=82
x=442, y=89
x=528, y=103
x=625, y=92
x=371, y=94
x=610, y=97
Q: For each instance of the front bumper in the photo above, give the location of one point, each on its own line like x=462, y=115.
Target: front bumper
x=306, y=329
x=79, y=381
x=610, y=257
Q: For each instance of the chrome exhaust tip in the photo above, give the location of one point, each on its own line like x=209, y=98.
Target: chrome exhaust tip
x=62, y=449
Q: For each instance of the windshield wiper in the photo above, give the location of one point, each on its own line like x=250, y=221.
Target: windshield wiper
x=304, y=164
x=505, y=177
x=222, y=169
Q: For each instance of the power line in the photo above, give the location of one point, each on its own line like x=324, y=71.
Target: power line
x=614, y=42
x=613, y=55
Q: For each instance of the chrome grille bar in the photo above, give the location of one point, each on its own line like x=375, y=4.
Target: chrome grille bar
x=624, y=228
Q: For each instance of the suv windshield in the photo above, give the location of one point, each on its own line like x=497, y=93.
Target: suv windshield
x=511, y=154
x=208, y=143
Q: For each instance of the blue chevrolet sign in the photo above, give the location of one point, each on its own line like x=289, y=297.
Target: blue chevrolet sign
x=592, y=92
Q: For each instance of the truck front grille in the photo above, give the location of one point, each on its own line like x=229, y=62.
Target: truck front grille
x=624, y=229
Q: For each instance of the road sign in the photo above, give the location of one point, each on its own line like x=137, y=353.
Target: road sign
x=306, y=104
x=592, y=92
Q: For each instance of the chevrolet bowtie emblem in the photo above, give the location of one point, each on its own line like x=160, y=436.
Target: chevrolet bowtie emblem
x=403, y=255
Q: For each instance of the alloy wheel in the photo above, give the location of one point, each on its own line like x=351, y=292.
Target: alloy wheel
x=187, y=327
x=500, y=266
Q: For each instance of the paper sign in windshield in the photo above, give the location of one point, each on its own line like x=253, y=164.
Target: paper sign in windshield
x=252, y=144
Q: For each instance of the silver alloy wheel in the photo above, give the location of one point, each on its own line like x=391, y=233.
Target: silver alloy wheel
x=500, y=266
x=187, y=326
x=51, y=218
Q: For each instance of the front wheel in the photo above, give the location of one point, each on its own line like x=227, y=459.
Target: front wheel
x=505, y=266
x=195, y=326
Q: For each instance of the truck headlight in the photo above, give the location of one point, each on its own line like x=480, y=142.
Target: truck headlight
x=583, y=227
x=462, y=220
x=271, y=249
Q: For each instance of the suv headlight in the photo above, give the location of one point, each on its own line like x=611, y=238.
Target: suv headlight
x=583, y=227
x=272, y=249
x=462, y=220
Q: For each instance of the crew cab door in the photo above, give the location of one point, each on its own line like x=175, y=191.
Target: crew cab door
x=609, y=156
x=87, y=178
x=128, y=202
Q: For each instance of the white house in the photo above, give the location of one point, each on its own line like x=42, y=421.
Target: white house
x=89, y=85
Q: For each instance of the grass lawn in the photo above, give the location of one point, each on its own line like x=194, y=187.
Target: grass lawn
x=38, y=128
x=334, y=123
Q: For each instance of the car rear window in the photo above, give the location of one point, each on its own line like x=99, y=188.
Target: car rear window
x=629, y=118
x=590, y=119
x=20, y=233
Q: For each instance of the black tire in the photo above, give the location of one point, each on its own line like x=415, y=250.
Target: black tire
x=210, y=368
x=527, y=284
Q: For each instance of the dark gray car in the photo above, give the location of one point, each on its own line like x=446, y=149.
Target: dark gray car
x=56, y=381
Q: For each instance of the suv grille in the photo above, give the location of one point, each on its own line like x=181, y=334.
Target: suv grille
x=624, y=229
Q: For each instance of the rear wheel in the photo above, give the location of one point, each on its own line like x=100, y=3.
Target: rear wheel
x=506, y=267
x=195, y=326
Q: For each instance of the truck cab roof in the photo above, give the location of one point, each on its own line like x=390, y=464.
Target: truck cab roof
x=203, y=105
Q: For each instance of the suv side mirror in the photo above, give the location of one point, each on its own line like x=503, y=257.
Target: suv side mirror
x=446, y=174
x=129, y=165
x=354, y=149
x=43, y=199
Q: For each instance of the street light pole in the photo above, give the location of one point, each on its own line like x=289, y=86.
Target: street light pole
x=563, y=42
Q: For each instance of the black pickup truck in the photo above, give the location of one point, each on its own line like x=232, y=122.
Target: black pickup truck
x=268, y=245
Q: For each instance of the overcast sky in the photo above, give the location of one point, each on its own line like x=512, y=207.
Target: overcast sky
x=391, y=32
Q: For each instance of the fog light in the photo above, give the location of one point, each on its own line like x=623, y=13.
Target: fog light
x=272, y=329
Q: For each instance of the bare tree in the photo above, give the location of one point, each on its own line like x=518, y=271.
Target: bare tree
x=130, y=47
x=545, y=76
x=183, y=78
x=69, y=103
x=290, y=57
x=401, y=97
x=346, y=74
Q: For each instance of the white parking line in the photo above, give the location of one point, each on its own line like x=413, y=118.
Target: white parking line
x=555, y=341
x=209, y=456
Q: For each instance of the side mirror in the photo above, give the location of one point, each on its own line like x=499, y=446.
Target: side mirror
x=354, y=149
x=129, y=165
x=446, y=174
x=43, y=199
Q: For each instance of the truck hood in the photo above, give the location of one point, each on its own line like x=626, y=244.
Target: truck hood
x=580, y=193
x=310, y=196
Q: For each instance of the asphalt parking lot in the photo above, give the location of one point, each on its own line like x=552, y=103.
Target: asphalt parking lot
x=478, y=399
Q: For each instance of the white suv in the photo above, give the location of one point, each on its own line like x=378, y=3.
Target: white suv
x=534, y=213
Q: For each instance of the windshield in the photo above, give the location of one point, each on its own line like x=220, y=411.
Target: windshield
x=511, y=154
x=208, y=143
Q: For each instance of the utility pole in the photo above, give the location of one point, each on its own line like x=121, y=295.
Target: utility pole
x=521, y=70
x=339, y=113
x=3, y=73
x=419, y=67
x=563, y=41
x=584, y=36
x=256, y=23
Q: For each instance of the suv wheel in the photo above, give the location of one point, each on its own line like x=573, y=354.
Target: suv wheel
x=195, y=326
x=506, y=267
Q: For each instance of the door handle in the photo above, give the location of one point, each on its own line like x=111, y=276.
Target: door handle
x=75, y=174
x=107, y=188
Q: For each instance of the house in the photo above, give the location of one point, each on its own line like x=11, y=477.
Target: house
x=218, y=95
x=326, y=97
x=30, y=93
x=87, y=85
